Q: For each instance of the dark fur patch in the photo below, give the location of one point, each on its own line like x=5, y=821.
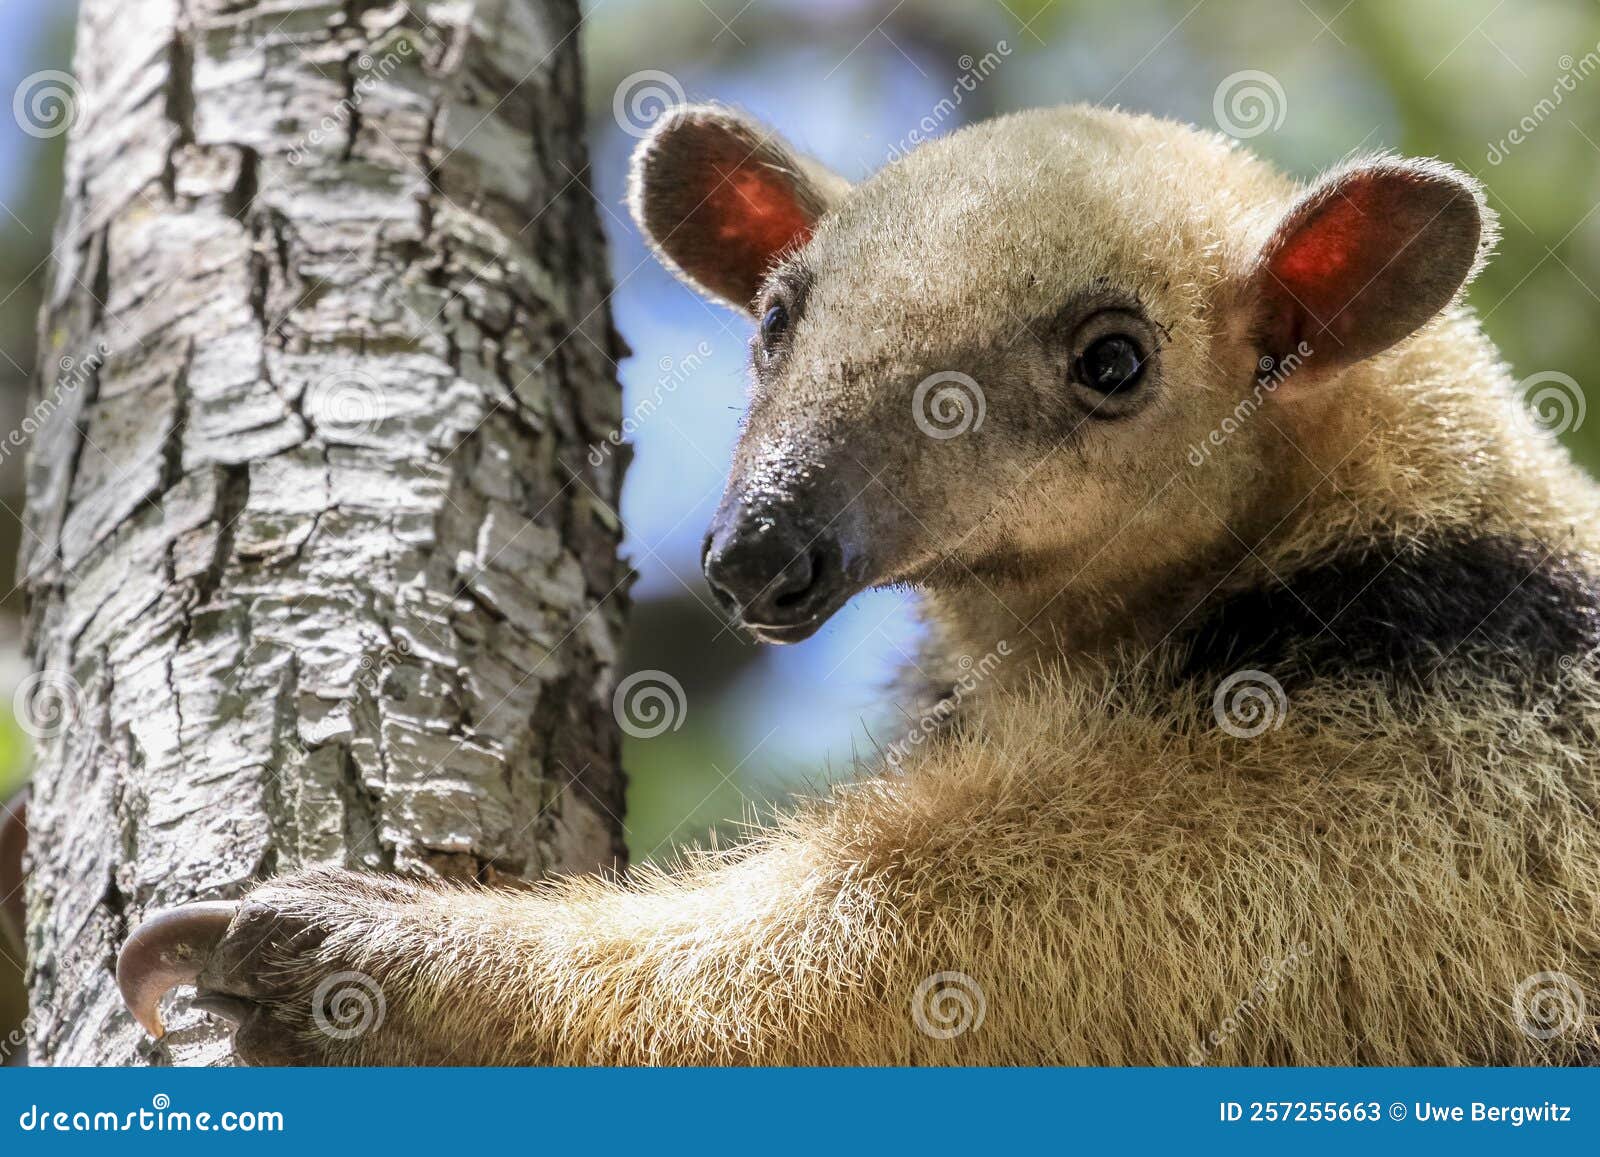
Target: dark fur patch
x=1412, y=610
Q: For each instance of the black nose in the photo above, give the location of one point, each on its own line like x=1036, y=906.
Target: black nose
x=778, y=576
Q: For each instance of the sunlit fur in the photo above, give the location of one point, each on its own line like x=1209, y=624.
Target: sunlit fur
x=1119, y=877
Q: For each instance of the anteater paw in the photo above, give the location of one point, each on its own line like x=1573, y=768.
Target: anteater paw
x=297, y=965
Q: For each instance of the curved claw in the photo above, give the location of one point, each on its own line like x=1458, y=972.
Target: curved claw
x=168, y=949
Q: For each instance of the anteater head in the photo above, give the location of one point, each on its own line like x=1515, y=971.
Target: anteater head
x=991, y=359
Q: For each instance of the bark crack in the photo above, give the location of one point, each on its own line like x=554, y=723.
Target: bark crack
x=179, y=103
x=172, y=443
x=99, y=290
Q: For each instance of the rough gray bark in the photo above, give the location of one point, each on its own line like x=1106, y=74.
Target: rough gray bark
x=316, y=560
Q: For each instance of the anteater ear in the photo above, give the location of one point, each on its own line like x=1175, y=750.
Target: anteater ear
x=1364, y=258
x=720, y=198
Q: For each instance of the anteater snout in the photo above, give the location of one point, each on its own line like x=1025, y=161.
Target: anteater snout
x=779, y=575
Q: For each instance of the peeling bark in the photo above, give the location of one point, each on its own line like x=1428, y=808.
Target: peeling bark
x=316, y=541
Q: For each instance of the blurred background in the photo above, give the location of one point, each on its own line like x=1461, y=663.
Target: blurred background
x=1510, y=92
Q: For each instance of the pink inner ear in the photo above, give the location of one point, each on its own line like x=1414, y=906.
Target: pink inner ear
x=1333, y=256
x=1364, y=260
x=753, y=211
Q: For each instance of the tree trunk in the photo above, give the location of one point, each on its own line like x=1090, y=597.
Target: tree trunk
x=319, y=571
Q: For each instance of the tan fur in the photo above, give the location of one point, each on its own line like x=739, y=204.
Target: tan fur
x=1109, y=867
x=1112, y=882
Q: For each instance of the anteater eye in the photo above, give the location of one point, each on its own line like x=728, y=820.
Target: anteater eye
x=774, y=324
x=1111, y=364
